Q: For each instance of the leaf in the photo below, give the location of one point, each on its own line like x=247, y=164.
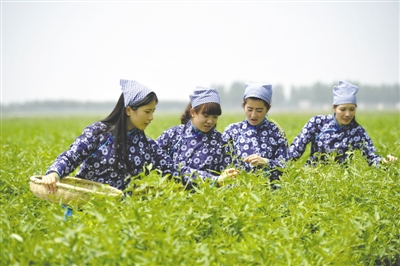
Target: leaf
x=255, y=197
x=17, y=237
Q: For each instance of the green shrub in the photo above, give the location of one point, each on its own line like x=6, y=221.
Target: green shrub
x=327, y=215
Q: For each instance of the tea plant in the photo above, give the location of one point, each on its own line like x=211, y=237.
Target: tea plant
x=325, y=215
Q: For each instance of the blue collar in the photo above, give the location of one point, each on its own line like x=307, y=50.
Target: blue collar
x=133, y=130
x=256, y=126
x=337, y=125
x=195, y=131
x=334, y=119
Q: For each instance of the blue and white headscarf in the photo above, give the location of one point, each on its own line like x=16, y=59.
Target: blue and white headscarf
x=202, y=95
x=344, y=93
x=260, y=91
x=133, y=91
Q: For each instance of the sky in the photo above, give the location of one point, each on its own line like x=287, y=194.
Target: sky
x=76, y=50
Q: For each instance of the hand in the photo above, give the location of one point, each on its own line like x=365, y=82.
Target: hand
x=50, y=182
x=390, y=158
x=256, y=160
x=227, y=174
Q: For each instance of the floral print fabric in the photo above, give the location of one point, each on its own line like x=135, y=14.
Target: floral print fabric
x=204, y=152
x=266, y=140
x=94, y=151
x=327, y=137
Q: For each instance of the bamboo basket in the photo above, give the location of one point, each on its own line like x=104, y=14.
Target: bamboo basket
x=72, y=190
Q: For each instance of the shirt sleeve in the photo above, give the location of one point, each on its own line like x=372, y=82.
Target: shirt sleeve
x=226, y=137
x=164, y=140
x=367, y=148
x=228, y=157
x=228, y=146
x=300, y=142
x=281, y=151
x=163, y=162
x=222, y=158
x=80, y=149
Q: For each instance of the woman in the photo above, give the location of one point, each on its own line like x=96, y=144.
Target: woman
x=196, y=143
x=336, y=134
x=261, y=144
x=116, y=147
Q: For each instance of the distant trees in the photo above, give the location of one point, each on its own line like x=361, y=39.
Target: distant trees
x=368, y=96
x=315, y=96
x=231, y=98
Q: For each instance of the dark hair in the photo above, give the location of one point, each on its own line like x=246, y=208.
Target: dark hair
x=116, y=124
x=334, y=106
x=205, y=108
x=256, y=99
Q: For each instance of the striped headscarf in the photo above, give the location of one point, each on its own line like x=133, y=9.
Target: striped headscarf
x=260, y=91
x=344, y=93
x=203, y=95
x=133, y=91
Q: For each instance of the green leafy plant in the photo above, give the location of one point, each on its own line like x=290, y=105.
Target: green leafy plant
x=325, y=215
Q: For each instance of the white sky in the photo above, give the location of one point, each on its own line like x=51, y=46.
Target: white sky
x=80, y=50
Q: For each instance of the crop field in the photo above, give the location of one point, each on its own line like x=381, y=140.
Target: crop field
x=326, y=215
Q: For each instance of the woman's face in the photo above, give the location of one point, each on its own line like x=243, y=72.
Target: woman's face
x=344, y=113
x=203, y=122
x=255, y=111
x=141, y=117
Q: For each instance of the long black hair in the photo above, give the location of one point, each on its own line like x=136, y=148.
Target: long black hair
x=205, y=108
x=116, y=124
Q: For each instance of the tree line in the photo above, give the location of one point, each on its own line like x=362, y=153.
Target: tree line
x=314, y=97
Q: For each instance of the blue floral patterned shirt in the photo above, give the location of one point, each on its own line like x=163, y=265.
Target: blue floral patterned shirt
x=94, y=151
x=267, y=140
x=204, y=152
x=327, y=137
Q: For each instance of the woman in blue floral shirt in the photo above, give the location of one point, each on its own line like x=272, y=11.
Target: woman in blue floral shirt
x=258, y=142
x=116, y=147
x=196, y=143
x=337, y=133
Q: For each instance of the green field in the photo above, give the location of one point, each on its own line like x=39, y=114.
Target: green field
x=327, y=215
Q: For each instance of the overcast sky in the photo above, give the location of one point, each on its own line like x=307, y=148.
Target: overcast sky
x=80, y=50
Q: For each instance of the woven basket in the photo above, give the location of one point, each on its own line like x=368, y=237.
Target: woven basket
x=72, y=190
